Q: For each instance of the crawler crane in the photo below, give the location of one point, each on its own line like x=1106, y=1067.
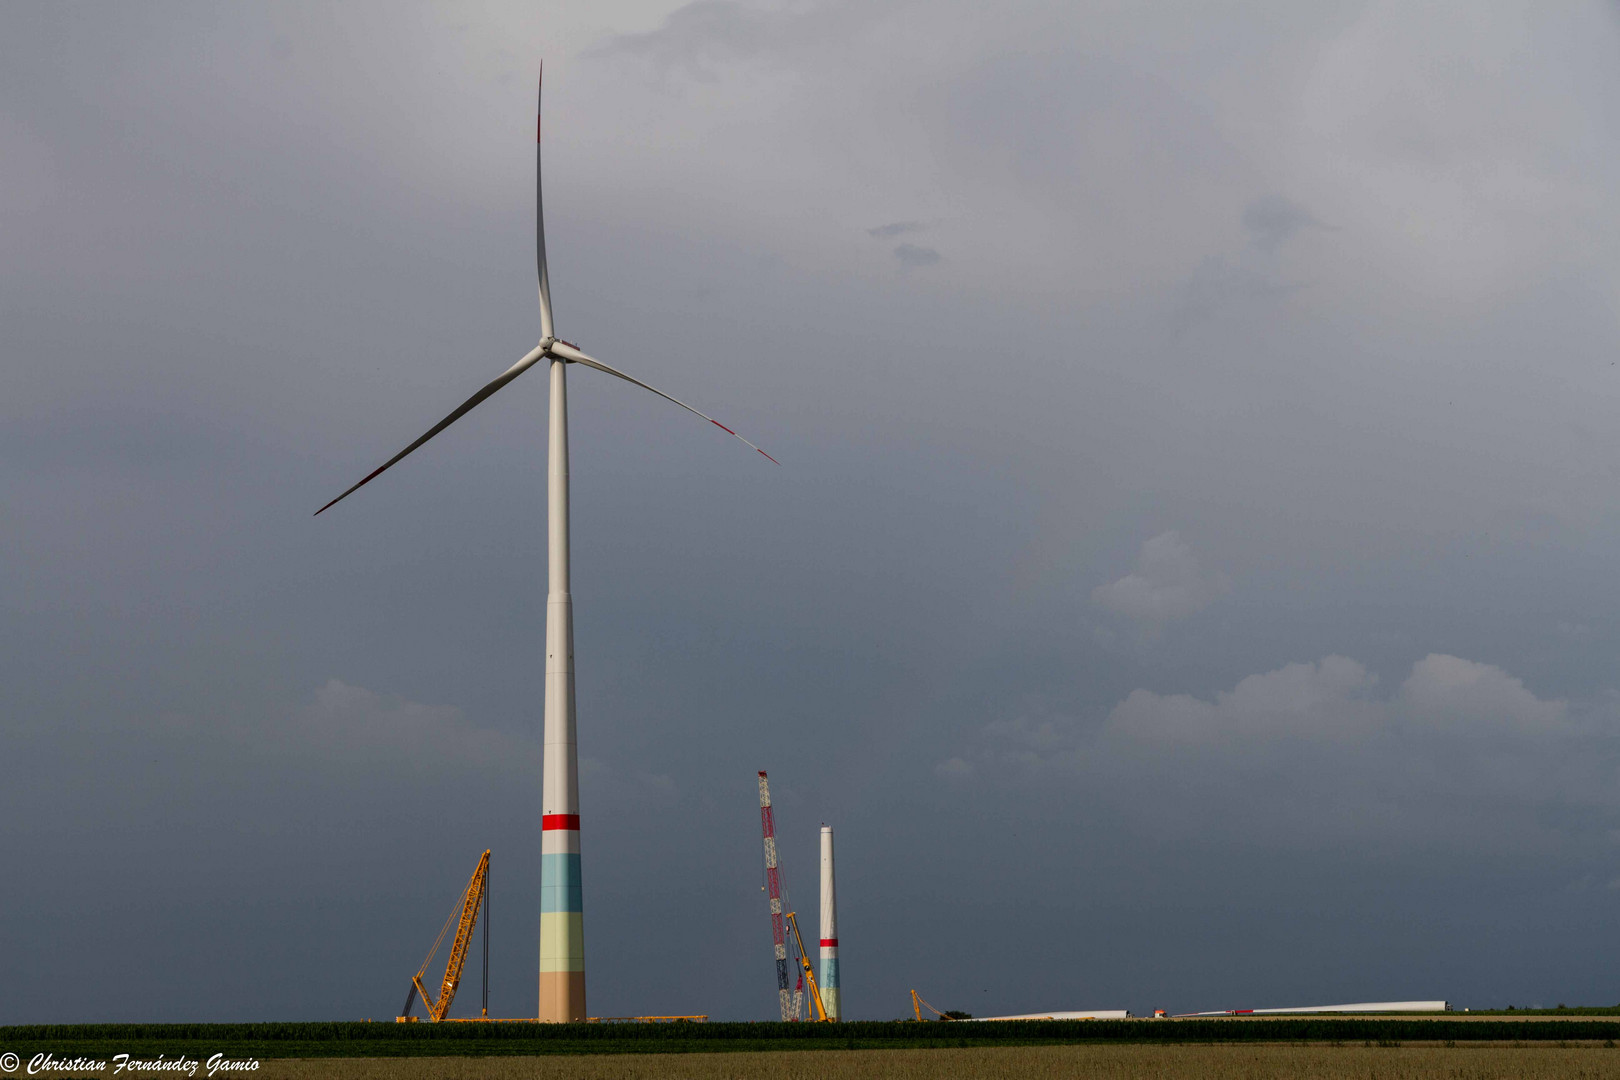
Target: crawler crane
x=787, y=949
x=476, y=895
x=809, y=972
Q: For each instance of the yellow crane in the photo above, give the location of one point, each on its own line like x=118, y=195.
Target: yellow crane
x=465, y=916
x=918, y=1004
x=809, y=974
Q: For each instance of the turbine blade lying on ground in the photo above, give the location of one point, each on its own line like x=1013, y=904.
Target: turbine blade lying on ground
x=501, y=380
x=568, y=352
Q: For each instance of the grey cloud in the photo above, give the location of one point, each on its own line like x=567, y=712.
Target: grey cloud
x=623, y=785
x=352, y=725
x=1218, y=287
x=1272, y=219
x=706, y=30
x=913, y=255
x=1167, y=585
x=1332, y=699
x=897, y=228
x=1458, y=747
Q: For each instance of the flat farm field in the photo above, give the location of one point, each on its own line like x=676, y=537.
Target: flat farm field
x=1109, y=1062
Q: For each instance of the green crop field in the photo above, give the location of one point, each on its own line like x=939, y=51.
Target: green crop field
x=1101, y=1062
x=389, y=1040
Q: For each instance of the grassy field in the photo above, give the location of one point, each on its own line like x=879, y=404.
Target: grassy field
x=383, y=1040
x=1004, y=1063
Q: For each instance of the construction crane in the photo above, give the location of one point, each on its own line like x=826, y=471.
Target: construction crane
x=809, y=973
x=773, y=884
x=465, y=916
x=918, y=1004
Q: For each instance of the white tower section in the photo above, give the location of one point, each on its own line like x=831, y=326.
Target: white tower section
x=829, y=930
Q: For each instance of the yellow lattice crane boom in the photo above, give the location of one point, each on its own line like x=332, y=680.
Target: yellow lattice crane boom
x=809, y=973
x=918, y=1005
x=465, y=916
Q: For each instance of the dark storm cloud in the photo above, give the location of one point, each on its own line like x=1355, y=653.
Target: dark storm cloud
x=1159, y=559
x=1218, y=287
x=914, y=255
x=1271, y=219
x=897, y=228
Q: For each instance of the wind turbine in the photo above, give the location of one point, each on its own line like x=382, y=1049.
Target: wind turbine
x=562, y=936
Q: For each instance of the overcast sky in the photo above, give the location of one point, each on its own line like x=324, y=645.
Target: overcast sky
x=1191, y=581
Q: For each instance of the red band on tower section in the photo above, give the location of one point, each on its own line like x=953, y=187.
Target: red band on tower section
x=559, y=821
x=829, y=943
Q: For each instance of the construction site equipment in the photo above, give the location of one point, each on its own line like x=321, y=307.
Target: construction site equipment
x=809, y=973
x=465, y=916
x=773, y=885
x=918, y=1004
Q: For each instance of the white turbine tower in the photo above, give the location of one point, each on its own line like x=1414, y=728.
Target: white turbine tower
x=562, y=936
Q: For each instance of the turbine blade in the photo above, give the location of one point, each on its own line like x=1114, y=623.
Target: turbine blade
x=568, y=352
x=501, y=380
x=540, y=221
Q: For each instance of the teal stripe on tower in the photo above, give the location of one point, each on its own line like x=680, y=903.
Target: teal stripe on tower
x=560, y=888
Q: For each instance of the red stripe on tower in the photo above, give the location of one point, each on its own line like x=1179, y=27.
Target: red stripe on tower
x=829, y=942
x=560, y=821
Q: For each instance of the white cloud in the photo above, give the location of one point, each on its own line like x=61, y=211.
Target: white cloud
x=1322, y=699
x=1424, y=124
x=1167, y=585
x=1461, y=751
x=1445, y=692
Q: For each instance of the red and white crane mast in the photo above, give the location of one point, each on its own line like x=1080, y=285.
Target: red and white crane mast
x=773, y=885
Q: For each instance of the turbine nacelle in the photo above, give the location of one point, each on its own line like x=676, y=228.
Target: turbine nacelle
x=547, y=343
